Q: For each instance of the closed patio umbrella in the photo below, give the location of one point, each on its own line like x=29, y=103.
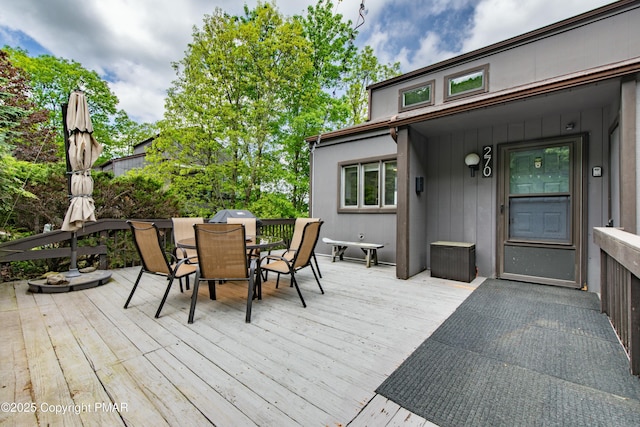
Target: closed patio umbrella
x=83, y=151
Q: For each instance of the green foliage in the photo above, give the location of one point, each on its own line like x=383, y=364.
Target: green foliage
x=20, y=124
x=364, y=70
x=248, y=92
x=132, y=196
x=273, y=205
x=52, y=79
x=218, y=143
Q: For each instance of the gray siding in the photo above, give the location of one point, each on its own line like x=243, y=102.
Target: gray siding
x=462, y=208
x=125, y=164
x=418, y=204
x=325, y=188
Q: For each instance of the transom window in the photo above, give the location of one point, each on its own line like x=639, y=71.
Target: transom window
x=416, y=96
x=466, y=83
x=370, y=184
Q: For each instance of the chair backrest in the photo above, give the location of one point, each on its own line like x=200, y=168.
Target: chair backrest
x=310, y=235
x=147, y=239
x=183, y=229
x=222, y=251
x=250, y=225
x=297, y=231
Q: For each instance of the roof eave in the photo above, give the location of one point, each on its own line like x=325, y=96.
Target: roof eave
x=595, y=75
x=510, y=43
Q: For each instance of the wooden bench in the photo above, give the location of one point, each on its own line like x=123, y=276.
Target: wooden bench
x=338, y=247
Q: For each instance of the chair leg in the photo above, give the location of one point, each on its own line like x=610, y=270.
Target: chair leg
x=212, y=289
x=314, y=275
x=194, y=298
x=251, y=286
x=277, y=280
x=164, y=298
x=294, y=282
x=317, y=266
x=180, y=281
x=257, y=284
x=126, y=304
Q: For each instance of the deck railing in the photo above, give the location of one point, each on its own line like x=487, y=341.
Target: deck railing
x=620, y=287
x=97, y=238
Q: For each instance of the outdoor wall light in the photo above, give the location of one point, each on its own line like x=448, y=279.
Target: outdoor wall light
x=472, y=160
x=570, y=126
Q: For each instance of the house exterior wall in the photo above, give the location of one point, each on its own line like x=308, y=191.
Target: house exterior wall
x=416, y=203
x=125, y=164
x=464, y=208
x=603, y=41
x=579, y=77
x=325, y=190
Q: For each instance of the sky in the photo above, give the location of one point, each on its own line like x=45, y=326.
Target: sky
x=132, y=44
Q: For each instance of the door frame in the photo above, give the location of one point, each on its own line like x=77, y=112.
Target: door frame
x=578, y=170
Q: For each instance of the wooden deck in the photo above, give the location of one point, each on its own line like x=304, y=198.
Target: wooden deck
x=79, y=358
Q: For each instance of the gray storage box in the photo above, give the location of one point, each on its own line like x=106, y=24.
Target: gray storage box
x=453, y=260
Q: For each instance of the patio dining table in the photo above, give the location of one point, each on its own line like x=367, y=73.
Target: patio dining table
x=253, y=243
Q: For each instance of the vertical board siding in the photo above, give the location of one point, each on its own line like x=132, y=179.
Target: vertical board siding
x=462, y=208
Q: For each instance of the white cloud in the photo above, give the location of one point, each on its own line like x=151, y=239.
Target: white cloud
x=428, y=53
x=498, y=20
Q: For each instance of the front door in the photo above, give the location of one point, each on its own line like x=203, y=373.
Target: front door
x=540, y=196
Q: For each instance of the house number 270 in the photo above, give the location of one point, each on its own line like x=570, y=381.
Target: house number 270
x=487, y=161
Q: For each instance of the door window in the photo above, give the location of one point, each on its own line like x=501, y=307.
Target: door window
x=540, y=194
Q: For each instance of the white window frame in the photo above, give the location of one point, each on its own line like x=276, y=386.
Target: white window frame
x=379, y=165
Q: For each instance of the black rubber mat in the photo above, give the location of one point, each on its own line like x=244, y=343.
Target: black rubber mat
x=519, y=354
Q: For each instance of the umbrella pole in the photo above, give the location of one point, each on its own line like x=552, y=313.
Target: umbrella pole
x=73, y=267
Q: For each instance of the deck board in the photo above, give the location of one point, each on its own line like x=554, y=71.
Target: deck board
x=291, y=365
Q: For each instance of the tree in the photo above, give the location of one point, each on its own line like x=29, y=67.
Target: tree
x=23, y=134
x=218, y=140
x=364, y=70
x=315, y=109
x=248, y=92
x=52, y=79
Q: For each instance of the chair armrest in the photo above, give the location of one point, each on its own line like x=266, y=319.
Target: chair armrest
x=171, y=256
x=274, y=257
x=183, y=250
x=186, y=261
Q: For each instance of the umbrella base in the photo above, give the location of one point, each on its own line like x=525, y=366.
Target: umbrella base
x=82, y=281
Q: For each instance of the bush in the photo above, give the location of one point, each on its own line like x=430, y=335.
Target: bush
x=130, y=196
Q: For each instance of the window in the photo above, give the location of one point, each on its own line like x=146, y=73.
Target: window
x=371, y=184
x=466, y=83
x=350, y=187
x=416, y=96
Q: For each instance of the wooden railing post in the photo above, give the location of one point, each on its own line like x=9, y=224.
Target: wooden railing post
x=604, y=283
x=104, y=235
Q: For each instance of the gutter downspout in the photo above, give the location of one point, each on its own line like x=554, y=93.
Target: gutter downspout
x=313, y=145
